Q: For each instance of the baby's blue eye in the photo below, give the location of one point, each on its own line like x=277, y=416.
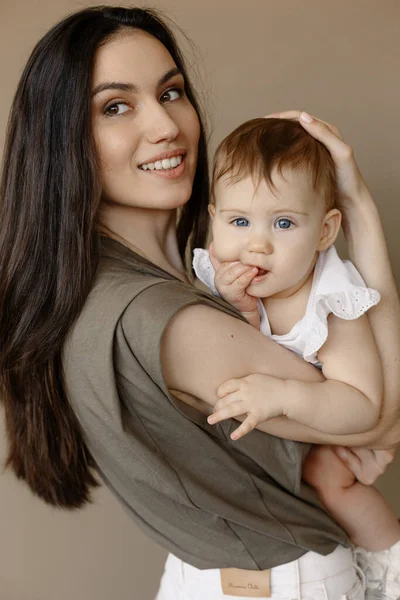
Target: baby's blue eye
x=240, y=222
x=283, y=223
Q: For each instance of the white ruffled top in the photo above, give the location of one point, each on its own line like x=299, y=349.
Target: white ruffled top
x=337, y=288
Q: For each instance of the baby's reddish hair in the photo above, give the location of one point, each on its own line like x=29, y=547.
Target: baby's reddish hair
x=259, y=146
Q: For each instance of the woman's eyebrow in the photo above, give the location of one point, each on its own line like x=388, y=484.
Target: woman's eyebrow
x=168, y=75
x=131, y=87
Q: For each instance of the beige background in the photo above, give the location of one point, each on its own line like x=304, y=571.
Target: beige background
x=335, y=58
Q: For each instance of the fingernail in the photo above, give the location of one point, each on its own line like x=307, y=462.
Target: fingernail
x=210, y=419
x=234, y=436
x=342, y=453
x=306, y=117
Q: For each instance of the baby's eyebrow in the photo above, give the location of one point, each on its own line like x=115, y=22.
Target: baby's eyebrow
x=274, y=212
x=290, y=210
x=235, y=210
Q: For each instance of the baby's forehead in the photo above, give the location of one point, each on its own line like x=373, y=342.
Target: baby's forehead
x=293, y=187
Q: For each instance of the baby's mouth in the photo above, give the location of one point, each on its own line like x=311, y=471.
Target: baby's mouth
x=261, y=272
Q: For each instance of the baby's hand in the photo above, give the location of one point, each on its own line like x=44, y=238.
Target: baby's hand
x=260, y=397
x=231, y=280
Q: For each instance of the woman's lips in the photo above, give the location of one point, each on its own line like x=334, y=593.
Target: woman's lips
x=173, y=173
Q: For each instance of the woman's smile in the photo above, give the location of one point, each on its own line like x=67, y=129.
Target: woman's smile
x=169, y=164
x=167, y=172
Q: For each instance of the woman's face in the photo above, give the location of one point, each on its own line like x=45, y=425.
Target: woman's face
x=146, y=131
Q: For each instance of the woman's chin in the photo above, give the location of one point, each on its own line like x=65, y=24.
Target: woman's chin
x=174, y=196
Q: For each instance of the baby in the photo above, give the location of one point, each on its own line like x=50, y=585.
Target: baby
x=274, y=223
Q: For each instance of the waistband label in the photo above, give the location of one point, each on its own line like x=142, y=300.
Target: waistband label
x=247, y=584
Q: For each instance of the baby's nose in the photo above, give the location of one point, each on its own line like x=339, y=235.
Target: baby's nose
x=260, y=244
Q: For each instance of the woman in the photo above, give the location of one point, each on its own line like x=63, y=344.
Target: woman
x=105, y=145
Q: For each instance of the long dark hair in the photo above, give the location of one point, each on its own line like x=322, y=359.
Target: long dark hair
x=50, y=195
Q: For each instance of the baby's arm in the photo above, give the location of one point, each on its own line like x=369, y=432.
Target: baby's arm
x=352, y=393
x=348, y=401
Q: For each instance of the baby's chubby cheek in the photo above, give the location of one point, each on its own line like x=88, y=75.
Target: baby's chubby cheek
x=225, y=252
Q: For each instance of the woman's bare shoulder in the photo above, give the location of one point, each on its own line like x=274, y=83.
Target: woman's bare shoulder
x=203, y=347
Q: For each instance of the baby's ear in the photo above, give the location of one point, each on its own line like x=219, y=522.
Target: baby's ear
x=330, y=229
x=211, y=210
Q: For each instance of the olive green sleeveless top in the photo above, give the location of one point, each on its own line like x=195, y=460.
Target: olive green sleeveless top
x=210, y=501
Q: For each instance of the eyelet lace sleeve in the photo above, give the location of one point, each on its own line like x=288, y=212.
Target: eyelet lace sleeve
x=204, y=270
x=338, y=289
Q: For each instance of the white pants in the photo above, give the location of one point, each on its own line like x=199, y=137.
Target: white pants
x=311, y=577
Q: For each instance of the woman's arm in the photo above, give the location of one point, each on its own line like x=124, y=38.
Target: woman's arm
x=368, y=251
x=202, y=348
x=348, y=401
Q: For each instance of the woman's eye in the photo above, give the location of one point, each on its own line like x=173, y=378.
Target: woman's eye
x=118, y=108
x=240, y=222
x=283, y=223
x=171, y=95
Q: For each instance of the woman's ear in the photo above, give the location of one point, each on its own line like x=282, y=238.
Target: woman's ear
x=330, y=229
x=211, y=210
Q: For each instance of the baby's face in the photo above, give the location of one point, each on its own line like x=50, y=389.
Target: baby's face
x=277, y=230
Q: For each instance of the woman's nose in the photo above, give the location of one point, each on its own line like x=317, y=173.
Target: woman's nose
x=160, y=125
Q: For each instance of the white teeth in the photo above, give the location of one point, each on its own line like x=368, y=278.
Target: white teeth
x=166, y=163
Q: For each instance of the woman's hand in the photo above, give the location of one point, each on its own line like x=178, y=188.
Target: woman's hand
x=366, y=465
x=351, y=185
